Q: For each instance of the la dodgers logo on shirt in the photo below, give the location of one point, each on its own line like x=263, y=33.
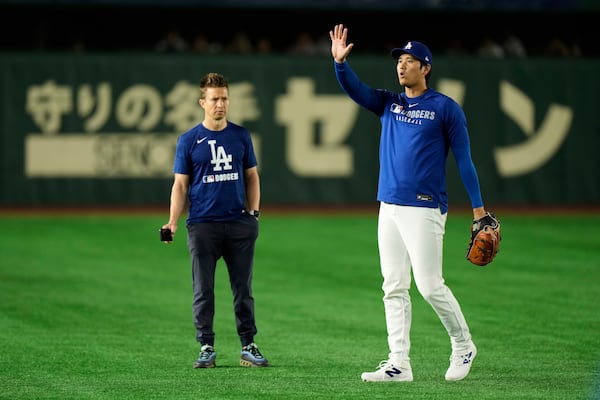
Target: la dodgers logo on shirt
x=221, y=161
x=219, y=156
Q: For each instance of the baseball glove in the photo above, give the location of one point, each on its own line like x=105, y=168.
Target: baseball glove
x=485, y=240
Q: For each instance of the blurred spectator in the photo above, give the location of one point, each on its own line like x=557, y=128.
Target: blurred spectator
x=323, y=45
x=201, y=44
x=557, y=47
x=240, y=44
x=264, y=46
x=489, y=48
x=304, y=45
x=172, y=42
x=513, y=46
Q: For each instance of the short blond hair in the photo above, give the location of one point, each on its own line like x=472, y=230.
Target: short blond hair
x=212, y=80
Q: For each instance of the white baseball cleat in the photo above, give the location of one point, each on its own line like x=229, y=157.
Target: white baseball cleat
x=460, y=364
x=388, y=372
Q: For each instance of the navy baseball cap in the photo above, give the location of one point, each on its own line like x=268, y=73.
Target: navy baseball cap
x=415, y=49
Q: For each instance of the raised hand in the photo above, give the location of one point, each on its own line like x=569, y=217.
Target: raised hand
x=339, y=48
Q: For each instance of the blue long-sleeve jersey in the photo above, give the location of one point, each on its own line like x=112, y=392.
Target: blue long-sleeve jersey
x=416, y=135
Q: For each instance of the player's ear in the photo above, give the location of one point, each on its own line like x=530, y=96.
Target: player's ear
x=201, y=102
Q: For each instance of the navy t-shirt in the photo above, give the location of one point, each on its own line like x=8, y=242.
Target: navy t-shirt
x=215, y=162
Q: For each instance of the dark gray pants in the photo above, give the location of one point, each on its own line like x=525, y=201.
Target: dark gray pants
x=234, y=241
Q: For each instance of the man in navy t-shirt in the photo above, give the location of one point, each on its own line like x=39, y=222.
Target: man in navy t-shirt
x=216, y=177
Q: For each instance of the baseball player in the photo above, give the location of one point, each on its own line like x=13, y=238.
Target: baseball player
x=418, y=127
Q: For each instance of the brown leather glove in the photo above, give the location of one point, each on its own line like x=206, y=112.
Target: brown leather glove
x=485, y=240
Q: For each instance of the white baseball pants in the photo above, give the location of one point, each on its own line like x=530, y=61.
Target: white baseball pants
x=414, y=237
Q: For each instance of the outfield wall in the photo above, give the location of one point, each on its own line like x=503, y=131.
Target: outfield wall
x=100, y=129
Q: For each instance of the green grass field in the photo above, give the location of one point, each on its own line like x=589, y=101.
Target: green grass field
x=95, y=307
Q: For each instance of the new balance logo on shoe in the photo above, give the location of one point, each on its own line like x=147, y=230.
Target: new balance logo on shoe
x=388, y=372
x=460, y=364
x=468, y=358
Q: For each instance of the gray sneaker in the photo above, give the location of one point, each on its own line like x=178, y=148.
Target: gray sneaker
x=206, y=358
x=252, y=357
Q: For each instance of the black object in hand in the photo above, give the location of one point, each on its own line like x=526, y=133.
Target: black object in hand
x=166, y=235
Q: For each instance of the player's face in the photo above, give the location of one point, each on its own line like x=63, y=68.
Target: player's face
x=410, y=72
x=215, y=103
